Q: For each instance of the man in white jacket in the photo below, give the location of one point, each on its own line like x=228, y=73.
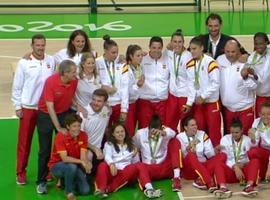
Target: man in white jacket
x=237, y=94
x=28, y=84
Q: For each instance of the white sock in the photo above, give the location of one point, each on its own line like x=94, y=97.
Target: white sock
x=176, y=173
x=148, y=186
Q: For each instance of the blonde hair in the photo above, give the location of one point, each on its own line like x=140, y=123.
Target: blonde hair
x=84, y=58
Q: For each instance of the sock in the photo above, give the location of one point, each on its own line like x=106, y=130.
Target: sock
x=148, y=186
x=176, y=173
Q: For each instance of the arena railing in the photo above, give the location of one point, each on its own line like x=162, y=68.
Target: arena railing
x=93, y=5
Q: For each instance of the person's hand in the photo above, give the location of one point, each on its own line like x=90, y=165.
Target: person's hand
x=251, y=134
x=251, y=71
x=217, y=149
x=87, y=166
x=27, y=56
x=169, y=46
x=135, y=151
x=209, y=54
x=123, y=116
x=109, y=89
x=140, y=82
x=82, y=110
x=112, y=90
x=19, y=113
x=186, y=108
x=98, y=153
x=113, y=169
x=144, y=53
x=244, y=73
x=191, y=146
x=121, y=59
x=162, y=132
x=154, y=133
x=62, y=130
x=238, y=172
x=199, y=100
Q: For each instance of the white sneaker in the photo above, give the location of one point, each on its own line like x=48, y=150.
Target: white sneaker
x=152, y=193
x=223, y=193
x=42, y=188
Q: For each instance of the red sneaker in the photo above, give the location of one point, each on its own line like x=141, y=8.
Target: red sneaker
x=176, y=184
x=249, y=191
x=198, y=183
x=223, y=193
x=49, y=177
x=21, y=179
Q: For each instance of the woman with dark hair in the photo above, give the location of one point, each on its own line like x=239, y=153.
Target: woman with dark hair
x=78, y=43
x=178, y=57
x=237, y=167
x=69, y=161
x=154, y=92
x=198, y=154
x=121, y=165
x=160, y=152
x=134, y=57
x=203, y=96
x=114, y=79
x=257, y=66
x=260, y=136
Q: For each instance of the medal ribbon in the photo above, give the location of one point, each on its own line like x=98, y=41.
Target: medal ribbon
x=176, y=64
x=197, y=71
x=111, y=74
x=237, y=150
x=254, y=59
x=153, y=146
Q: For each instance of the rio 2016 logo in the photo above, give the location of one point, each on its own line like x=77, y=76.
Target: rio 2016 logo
x=46, y=26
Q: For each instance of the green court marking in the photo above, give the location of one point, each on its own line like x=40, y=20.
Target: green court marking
x=127, y=25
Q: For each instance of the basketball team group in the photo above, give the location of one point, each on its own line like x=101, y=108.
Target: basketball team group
x=199, y=112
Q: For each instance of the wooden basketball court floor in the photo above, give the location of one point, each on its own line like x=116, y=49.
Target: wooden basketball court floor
x=11, y=50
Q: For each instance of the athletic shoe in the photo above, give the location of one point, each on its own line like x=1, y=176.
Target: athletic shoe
x=212, y=187
x=223, y=193
x=249, y=191
x=199, y=184
x=101, y=194
x=71, y=196
x=176, y=184
x=42, y=188
x=21, y=179
x=152, y=193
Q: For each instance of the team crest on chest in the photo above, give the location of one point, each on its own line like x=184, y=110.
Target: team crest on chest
x=104, y=115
